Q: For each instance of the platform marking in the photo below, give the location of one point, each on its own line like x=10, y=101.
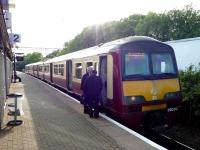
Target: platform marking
x=114, y=122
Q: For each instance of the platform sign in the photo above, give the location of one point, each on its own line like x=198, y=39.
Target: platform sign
x=15, y=38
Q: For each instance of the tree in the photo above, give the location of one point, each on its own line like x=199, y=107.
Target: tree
x=154, y=25
x=33, y=57
x=184, y=23
x=53, y=54
x=190, y=84
x=172, y=25
x=126, y=27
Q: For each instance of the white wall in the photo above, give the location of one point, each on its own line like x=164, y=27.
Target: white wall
x=187, y=51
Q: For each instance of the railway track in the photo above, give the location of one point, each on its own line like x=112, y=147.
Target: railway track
x=166, y=141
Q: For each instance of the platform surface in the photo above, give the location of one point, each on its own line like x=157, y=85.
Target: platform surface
x=53, y=121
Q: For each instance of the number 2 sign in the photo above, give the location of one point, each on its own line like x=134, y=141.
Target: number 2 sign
x=15, y=38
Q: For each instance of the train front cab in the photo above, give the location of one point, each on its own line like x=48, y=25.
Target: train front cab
x=142, y=83
x=150, y=83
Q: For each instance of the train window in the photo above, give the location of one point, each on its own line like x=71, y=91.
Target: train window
x=46, y=69
x=40, y=68
x=162, y=63
x=34, y=68
x=78, y=71
x=55, y=69
x=96, y=66
x=61, y=69
x=136, y=64
x=89, y=64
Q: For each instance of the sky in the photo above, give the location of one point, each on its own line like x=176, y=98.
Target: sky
x=49, y=24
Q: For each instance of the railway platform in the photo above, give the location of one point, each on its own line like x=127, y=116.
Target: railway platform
x=54, y=121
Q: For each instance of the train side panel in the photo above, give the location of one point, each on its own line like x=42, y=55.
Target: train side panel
x=59, y=74
x=79, y=69
x=41, y=71
x=47, y=74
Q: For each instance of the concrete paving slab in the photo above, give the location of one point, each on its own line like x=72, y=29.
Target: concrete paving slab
x=54, y=121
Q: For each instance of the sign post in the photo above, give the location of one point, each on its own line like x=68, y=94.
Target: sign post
x=15, y=38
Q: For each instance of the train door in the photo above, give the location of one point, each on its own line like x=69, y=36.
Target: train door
x=51, y=72
x=69, y=74
x=103, y=75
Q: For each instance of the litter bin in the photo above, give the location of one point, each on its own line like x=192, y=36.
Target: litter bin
x=17, y=109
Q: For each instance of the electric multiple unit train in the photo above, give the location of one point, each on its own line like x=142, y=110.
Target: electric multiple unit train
x=139, y=74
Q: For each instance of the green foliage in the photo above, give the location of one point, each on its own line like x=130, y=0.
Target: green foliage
x=53, y=54
x=190, y=83
x=33, y=57
x=154, y=25
x=97, y=34
x=171, y=25
x=184, y=23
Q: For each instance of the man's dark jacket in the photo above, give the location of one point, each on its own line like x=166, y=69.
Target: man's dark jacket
x=83, y=80
x=93, y=86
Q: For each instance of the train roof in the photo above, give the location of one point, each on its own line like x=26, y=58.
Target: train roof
x=99, y=49
x=37, y=63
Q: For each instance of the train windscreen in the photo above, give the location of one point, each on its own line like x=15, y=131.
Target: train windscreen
x=144, y=65
x=140, y=61
x=162, y=63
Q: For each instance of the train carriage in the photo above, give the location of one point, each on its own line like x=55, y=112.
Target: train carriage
x=139, y=75
x=29, y=69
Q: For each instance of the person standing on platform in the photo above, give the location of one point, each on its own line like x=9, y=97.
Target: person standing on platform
x=93, y=87
x=84, y=96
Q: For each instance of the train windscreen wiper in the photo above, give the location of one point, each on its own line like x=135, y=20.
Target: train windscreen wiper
x=136, y=76
x=168, y=74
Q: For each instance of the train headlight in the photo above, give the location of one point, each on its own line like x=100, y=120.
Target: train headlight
x=133, y=100
x=172, y=95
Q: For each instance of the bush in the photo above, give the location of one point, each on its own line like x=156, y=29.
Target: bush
x=190, y=83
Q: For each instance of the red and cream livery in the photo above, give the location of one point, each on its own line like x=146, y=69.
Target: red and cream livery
x=139, y=74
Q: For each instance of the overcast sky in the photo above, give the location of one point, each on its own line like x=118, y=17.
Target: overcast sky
x=50, y=23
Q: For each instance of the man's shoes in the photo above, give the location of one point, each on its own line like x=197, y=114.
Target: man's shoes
x=85, y=111
x=91, y=116
x=96, y=116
